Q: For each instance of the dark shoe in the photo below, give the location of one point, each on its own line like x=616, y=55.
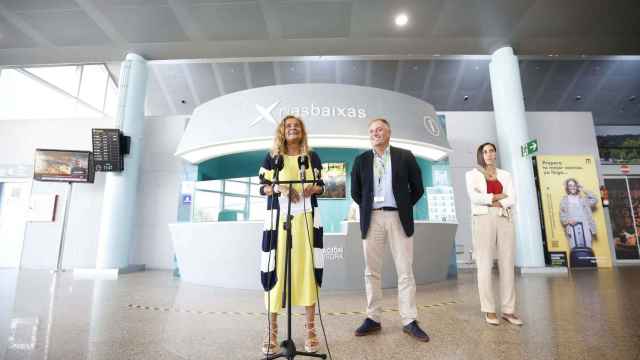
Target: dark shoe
x=368, y=327
x=414, y=330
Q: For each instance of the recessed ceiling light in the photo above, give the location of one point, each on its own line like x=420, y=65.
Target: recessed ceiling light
x=466, y=98
x=402, y=19
x=632, y=98
x=578, y=97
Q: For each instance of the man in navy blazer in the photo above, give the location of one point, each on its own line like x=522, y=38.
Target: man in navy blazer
x=386, y=183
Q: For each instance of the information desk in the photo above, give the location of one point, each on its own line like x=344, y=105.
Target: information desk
x=227, y=254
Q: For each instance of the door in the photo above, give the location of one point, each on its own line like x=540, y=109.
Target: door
x=624, y=214
x=14, y=202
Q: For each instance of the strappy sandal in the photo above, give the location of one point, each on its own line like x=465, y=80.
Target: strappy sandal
x=311, y=343
x=270, y=341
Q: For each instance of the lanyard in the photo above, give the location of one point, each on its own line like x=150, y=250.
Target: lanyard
x=380, y=165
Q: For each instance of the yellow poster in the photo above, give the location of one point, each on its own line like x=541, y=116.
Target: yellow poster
x=573, y=217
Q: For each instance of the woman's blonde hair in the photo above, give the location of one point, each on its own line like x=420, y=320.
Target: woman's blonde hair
x=279, y=140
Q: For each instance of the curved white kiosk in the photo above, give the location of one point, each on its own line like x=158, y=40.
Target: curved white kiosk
x=227, y=254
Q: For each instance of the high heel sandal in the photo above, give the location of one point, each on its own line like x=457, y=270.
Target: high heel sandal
x=270, y=341
x=311, y=343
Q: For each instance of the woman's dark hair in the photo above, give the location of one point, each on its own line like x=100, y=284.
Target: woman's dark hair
x=481, y=156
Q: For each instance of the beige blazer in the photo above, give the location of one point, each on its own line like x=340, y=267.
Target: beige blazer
x=477, y=191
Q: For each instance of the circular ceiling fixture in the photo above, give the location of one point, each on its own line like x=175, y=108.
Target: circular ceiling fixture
x=401, y=19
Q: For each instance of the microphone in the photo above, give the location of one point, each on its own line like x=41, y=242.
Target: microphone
x=277, y=161
x=303, y=164
x=279, y=165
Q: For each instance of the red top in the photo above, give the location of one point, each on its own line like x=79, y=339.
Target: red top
x=494, y=187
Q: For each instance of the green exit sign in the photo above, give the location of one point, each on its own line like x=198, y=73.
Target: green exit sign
x=529, y=148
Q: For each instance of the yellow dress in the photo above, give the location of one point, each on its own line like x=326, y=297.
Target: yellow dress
x=302, y=267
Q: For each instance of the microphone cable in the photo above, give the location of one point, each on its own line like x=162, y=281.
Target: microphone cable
x=313, y=262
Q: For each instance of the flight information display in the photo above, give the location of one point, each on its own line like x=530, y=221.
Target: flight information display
x=107, y=150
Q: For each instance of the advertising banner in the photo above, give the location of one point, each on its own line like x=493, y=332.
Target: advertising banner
x=574, y=221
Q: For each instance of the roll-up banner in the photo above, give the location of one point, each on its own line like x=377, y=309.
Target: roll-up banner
x=574, y=223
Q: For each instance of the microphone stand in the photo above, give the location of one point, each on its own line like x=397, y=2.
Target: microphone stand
x=288, y=347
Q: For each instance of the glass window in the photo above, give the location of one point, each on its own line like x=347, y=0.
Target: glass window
x=211, y=185
x=66, y=78
x=93, y=85
x=234, y=202
x=206, y=206
x=22, y=97
x=255, y=190
x=235, y=187
x=257, y=208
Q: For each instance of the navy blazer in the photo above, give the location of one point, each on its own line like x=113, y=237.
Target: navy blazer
x=406, y=181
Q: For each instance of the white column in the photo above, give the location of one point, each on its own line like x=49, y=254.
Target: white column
x=512, y=132
x=119, y=206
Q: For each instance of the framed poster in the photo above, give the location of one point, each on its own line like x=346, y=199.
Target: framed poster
x=334, y=176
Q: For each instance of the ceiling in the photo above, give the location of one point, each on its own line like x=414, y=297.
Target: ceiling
x=80, y=31
x=610, y=88
x=569, y=49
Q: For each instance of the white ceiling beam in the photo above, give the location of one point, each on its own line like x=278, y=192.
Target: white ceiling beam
x=165, y=91
x=276, y=73
x=181, y=9
x=368, y=73
x=456, y=84
x=274, y=28
x=218, y=77
x=23, y=26
x=427, y=81
x=543, y=85
x=596, y=89
x=102, y=21
x=247, y=75
x=398, y=79
x=570, y=87
x=190, y=83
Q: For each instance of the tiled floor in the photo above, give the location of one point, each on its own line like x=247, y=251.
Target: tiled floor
x=150, y=315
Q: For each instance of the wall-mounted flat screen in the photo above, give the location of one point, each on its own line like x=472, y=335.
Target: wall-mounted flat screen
x=63, y=166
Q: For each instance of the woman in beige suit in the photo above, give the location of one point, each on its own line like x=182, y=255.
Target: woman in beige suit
x=492, y=197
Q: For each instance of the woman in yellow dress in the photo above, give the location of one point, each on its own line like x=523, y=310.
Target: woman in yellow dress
x=289, y=144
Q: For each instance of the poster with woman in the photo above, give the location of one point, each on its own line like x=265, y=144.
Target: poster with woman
x=572, y=211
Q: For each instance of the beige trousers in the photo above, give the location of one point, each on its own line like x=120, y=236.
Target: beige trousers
x=493, y=237
x=386, y=225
